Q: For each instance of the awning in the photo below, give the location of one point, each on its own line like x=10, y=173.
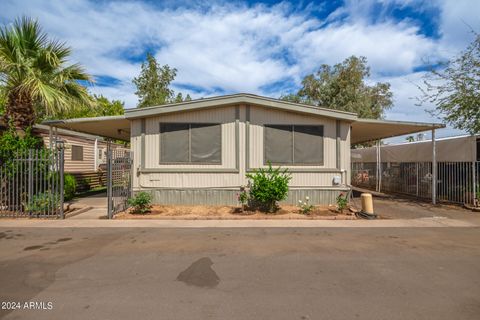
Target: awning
x=365, y=130
x=114, y=127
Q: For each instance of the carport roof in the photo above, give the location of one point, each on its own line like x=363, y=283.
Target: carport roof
x=114, y=127
x=364, y=130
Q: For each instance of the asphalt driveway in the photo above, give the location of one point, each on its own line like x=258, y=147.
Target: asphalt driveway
x=241, y=273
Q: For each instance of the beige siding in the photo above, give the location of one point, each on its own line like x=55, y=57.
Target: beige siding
x=87, y=164
x=226, y=115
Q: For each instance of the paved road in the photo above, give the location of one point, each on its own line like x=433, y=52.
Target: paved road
x=242, y=273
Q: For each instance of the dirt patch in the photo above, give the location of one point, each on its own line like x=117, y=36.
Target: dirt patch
x=230, y=213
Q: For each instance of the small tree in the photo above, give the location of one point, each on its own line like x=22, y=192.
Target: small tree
x=455, y=89
x=153, y=83
x=268, y=186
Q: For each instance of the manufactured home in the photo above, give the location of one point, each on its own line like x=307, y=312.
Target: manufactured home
x=198, y=152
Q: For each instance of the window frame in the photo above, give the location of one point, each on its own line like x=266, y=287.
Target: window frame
x=190, y=162
x=72, y=153
x=293, y=163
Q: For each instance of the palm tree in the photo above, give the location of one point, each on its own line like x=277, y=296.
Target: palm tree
x=34, y=75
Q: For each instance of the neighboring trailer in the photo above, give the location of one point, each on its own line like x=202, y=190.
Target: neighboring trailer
x=84, y=155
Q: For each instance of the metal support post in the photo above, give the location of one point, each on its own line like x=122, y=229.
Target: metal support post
x=434, y=168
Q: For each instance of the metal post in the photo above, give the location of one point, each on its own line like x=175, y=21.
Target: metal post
x=50, y=138
x=434, y=168
x=379, y=166
x=61, y=164
x=30, y=181
x=376, y=167
x=109, y=181
x=417, y=174
x=474, y=183
x=95, y=155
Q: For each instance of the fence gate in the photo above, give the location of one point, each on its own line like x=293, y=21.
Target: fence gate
x=119, y=180
x=31, y=184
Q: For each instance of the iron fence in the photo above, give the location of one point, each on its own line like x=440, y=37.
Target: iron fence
x=31, y=184
x=119, y=180
x=457, y=182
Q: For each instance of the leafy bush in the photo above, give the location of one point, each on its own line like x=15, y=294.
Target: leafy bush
x=69, y=186
x=243, y=196
x=43, y=202
x=305, y=206
x=268, y=186
x=342, y=202
x=141, y=202
x=11, y=144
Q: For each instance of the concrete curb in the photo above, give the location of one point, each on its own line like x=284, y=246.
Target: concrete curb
x=100, y=223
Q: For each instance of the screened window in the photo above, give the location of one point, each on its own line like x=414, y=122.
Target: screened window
x=293, y=144
x=77, y=153
x=190, y=143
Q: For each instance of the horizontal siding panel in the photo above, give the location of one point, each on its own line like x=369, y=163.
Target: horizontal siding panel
x=229, y=197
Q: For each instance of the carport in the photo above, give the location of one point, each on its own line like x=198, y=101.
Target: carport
x=368, y=130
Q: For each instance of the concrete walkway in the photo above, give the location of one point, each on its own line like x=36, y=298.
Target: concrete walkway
x=95, y=207
x=103, y=223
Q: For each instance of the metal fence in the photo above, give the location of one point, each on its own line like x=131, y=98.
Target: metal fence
x=119, y=180
x=31, y=184
x=457, y=182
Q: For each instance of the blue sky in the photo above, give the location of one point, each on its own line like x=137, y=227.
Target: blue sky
x=262, y=47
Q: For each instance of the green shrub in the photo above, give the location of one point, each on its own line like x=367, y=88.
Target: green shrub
x=342, y=202
x=43, y=202
x=69, y=186
x=268, y=186
x=141, y=202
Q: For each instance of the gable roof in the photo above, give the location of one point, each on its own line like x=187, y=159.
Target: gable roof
x=235, y=99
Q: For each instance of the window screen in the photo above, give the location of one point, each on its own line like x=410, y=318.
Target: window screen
x=187, y=143
x=77, y=153
x=293, y=144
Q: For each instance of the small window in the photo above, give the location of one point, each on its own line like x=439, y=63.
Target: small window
x=77, y=153
x=190, y=143
x=293, y=144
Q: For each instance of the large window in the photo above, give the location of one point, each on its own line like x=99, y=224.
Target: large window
x=190, y=143
x=293, y=144
x=77, y=153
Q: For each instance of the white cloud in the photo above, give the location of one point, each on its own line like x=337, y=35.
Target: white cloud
x=238, y=48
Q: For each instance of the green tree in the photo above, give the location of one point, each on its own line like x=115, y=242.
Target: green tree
x=35, y=75
x=343, y=87
x=410, y=139
x=179, y=98
x=153, y=83
x=454, y=88
x=101, y=106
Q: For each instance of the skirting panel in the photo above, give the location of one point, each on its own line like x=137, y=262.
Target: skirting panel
x=229, y=197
